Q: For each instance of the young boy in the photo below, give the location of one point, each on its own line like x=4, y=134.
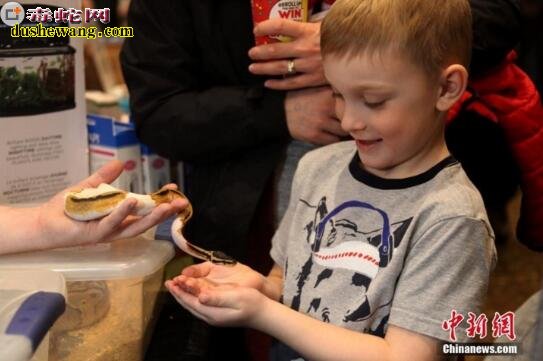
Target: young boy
x=385, y=237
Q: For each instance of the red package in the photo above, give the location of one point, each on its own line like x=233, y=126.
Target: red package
x=296, y=10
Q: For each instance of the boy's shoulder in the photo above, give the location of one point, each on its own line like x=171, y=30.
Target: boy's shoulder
x=452, y=194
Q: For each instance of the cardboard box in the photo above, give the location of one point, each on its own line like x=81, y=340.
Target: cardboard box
x=42, y=113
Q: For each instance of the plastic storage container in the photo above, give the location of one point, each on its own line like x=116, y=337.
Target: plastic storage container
x=30, y=302
x=112, y=291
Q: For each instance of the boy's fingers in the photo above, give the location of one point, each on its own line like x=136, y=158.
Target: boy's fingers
x=186, y=284
x=179, y=280
x=209, y=299
x=225, y=297
x=198, y=270
x=188, y=301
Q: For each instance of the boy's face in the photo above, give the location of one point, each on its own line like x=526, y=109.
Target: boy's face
x=388, y=106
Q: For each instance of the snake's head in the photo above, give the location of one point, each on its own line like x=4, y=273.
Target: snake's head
x=222, y=258
x=166, y=195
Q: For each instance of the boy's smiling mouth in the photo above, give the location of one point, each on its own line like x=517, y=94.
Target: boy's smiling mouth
x=365, y=144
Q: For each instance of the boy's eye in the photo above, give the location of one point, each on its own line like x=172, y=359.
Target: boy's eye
x=374, y=105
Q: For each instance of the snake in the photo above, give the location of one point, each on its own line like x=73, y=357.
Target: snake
x=88, y=204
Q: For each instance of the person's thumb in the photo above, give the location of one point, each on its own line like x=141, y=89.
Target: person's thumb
x=106, y=174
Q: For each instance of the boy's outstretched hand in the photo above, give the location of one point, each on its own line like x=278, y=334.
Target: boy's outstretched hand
x=239, y=274
x=218, y=304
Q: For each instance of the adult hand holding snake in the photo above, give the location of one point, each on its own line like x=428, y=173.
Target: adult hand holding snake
x=299, y=58
x=46, y=226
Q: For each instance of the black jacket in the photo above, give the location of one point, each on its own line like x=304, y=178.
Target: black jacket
x=193, y=99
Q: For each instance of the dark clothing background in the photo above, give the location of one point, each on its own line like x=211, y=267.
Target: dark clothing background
x=531, y=45
x=496, y=31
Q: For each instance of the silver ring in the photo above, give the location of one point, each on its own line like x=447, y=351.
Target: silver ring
x=291, y=69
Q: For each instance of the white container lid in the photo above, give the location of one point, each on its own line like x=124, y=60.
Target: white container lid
x=25, y=280
x=129, y=258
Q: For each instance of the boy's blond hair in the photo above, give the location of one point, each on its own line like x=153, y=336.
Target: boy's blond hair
x=432, y=33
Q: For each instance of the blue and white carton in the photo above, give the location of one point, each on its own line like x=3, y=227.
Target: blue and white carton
x=110, y=139
x=155, y=170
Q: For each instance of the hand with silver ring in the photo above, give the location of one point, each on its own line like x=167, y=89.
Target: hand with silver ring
x=291, y=68
x=290, y=65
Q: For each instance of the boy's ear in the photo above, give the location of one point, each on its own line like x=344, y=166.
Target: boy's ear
x=453, y=82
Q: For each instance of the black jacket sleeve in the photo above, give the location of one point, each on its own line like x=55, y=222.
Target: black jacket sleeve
x=496, y=31
x=181, y=110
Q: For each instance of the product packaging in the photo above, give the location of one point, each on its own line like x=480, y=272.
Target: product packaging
x=296, y=10
x=43, y=146
x=108, y=140
x=155, y=169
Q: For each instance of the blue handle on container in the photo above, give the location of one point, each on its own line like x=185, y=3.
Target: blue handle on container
x=36, y=315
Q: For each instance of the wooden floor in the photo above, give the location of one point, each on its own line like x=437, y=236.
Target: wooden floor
x=518, y=274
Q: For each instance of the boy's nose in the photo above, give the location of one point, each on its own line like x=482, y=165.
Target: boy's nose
x=352, y=120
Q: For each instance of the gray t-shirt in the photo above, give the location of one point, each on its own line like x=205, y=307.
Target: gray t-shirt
x=362, y=252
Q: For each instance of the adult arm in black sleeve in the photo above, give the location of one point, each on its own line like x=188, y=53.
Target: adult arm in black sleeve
x=178, y=109
x=496, y=31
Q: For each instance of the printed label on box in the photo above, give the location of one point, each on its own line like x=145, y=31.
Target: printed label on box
x=43, y=146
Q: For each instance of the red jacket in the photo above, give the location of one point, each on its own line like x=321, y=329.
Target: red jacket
x=507, y=96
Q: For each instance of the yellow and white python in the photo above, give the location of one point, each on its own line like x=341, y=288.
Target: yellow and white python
x=93, y=203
